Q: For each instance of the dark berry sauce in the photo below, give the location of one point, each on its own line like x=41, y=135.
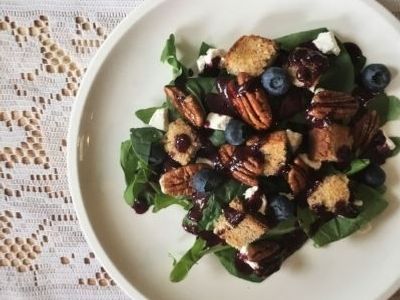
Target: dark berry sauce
x=254, y=203
x=140, y=206
x=182, y=142
x=233, y=216
x=210, y=238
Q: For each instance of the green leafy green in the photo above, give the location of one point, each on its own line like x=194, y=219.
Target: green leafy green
x=204, y=47
x=229, y=190
x=145, y=114
x=291, y=41
x=192, y=256
x=200, y=86
x=227, y=259
x=396, y=141
x=142, y=138
x=340, y=75
x=182, y=267
x=357, y=165
x=306, y=218
x=387, y=107
x=173, y=113
x=210, y=213
x=282, y=228
x=168, y=55
x=358, y=64
x=341, y=227
x=163, y=201
x=128, y=160
x=217, y=138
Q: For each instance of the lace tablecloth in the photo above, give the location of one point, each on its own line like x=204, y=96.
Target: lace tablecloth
x=45, y=47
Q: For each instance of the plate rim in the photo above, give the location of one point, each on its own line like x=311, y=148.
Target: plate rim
x=73, y=141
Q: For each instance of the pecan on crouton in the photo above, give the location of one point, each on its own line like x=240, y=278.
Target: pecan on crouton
x=327, y=141
x=251, y=54
x=238, y=228
x=181, y=142
x=332, y=194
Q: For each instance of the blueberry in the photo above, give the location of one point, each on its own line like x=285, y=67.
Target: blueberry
x=157, y=154
x=373, y=176
x=375, y=77
x=282, y=207
x=205, y=180
x=236, y=132
x=276, y=81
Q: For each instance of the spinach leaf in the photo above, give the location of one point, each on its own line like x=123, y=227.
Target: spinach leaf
x=229, y=190
x=182, y=267
x=358, y=64
x=396, y=141
x=137, y=184
x=200, y=86
x=357, y=165
x=282, y=228
x=306, y=218
x=217, y=138
x=275, y=184
x=128, y=160
x=204, y=47
x=142, y=138
x=387, y=107
x=145, y=114
x=168, y=55
x=210, y=213
x=192, y=256
x=162, y=201
x=227, y=259
x=173, y=113
x=341, y=227
x=291, y=41
x=340, y=75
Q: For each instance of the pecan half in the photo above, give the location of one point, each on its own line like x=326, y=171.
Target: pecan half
x=365, y=129
x=188, y=106
x=259, y=251
x=242, y=163
x=297, y=176
x=251, y=103
x=335, y=105
x=178, y=182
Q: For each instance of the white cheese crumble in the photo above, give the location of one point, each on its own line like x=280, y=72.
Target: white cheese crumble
x=326, y=43
x=202, y=160
x=159, y=119
x=250, y=192
x=391, y=145
x=217, y=121
x=314, y=164
x=211, y=53
x=254, y=265
x=295, y=139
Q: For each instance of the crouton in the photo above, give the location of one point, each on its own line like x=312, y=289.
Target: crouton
x=181, y=142
x=251, y=54
x=274, y=148
x=325, y=142
x=331, y=194
x=247, y=231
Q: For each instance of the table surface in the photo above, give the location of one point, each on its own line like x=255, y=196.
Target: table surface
x=44, y=51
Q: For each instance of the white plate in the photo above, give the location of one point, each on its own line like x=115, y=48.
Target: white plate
x=126, y=75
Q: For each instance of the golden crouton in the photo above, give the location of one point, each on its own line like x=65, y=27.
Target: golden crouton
x=251, y=54
x=244, y=233
x=325, y=142
x=274, y=147
x=181, y=142
x=331, y=194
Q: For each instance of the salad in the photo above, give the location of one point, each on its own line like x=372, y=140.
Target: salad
x=266, y=145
